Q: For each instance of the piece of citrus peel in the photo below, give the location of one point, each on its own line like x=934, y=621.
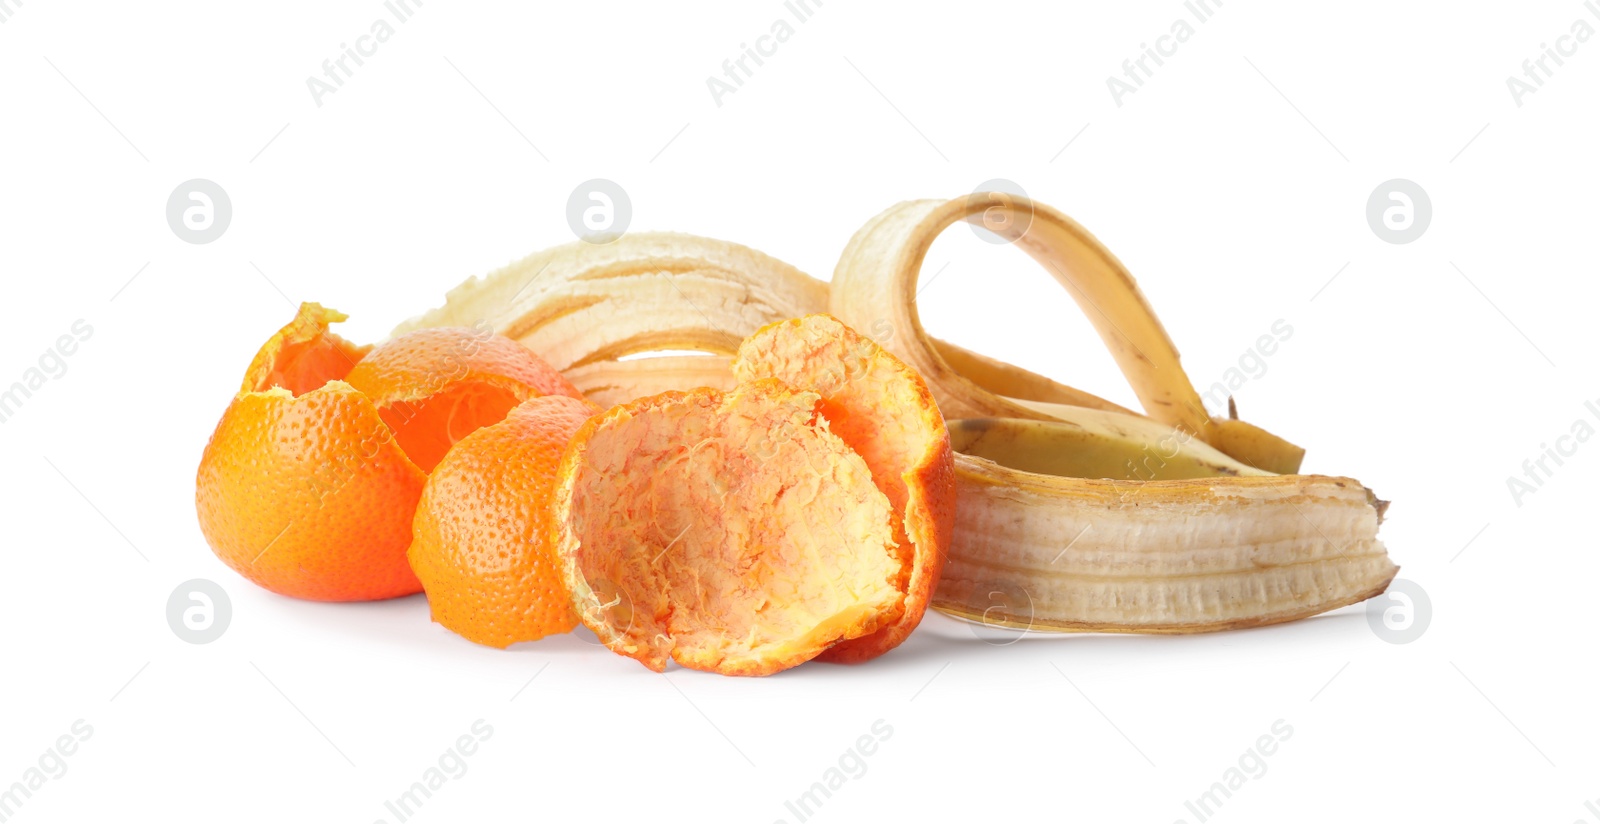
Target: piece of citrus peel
x=482, y=539
x=748, y=531
x=304, y=487
x=434, y=387
x=731, y=532
x=884, y=411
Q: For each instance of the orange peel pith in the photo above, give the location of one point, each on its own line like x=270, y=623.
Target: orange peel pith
x=482, y=540
x=731, y=532
x=304, y=354
x=883, y=410
x=307, y=486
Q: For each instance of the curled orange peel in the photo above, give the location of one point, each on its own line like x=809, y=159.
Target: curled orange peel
x=732, y=532
x=884, y=411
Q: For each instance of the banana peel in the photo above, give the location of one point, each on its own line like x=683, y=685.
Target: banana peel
x=1073, y=513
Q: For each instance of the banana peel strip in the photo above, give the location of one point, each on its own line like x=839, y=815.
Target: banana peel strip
x=1075, y=545
x=586, y=307
x=876, y=280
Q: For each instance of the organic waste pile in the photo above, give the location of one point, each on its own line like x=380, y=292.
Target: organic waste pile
x=526, y=456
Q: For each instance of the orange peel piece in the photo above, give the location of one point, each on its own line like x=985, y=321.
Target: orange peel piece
x=436, y=386
x=305, y=487
x=304, y=354
x=730, y=532
x=883, y=410
x=482, y=540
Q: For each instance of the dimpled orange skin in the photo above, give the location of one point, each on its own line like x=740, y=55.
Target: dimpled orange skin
x=883, y=409
x=309, y=496
x=483, y=539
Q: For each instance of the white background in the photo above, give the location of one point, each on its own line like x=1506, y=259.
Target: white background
x=1233, y=184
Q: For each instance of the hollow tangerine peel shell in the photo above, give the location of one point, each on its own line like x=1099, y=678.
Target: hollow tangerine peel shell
x=483, y=541
x=884, y=411
x=731, y=532
x=302, y=488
